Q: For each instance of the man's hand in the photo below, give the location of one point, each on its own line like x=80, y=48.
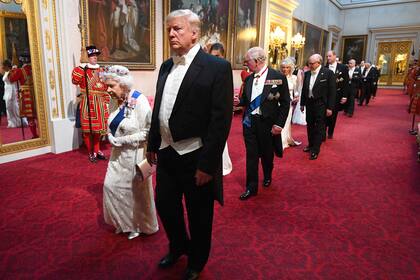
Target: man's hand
x=343, y=100
x=276, y=130
x=202, y=178
x=302, y=108
x=329, y=112
x=151, y=158
x=235, y=101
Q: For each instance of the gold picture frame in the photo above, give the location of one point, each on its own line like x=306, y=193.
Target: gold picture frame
x=227, y=27
x=32, y=13
x=136, y=50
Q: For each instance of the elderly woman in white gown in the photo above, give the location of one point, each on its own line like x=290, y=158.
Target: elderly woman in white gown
x=287, y=67
x=128, y=199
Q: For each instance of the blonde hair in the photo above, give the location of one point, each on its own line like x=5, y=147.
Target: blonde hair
x=193, y=18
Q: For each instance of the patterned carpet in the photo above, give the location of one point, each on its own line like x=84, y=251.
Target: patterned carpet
x=352, y=214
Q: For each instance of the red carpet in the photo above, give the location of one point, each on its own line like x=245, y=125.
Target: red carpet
x=12, y=135
x=352, y=214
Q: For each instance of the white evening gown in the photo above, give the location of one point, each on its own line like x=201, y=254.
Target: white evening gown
x=227, y=163
x=11, y=99
x=299, y=117
x=129, y=203
x=286, y=133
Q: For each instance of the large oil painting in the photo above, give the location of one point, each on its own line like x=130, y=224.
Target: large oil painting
x=247, y=13
x=215, y=19
x=353, y=47
x=122, y=30
x=313, y=41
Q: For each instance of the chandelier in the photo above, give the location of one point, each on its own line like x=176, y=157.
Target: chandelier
x=298, y=41
x=277, y=37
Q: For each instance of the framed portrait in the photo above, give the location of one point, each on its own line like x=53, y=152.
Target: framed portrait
x=14, y=33
x=246, y=29
x=353, y=47
x=215, y=21
x=123, y=31
x=313, y=41
x=324, y=44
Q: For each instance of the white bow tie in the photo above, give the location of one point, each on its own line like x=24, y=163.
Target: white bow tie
x=178, y=60
x=331, y=66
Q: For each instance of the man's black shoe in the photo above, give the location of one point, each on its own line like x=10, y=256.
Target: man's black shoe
x=169, y=260
x=266, y=183
x=191, y=274
x=307, y=149
x=247, y=194
x=313, y=156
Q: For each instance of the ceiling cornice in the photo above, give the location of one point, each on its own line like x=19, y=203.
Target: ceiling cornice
x=369, y=4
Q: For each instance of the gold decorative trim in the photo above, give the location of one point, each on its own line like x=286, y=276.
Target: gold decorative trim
x=52, y=79
x=57, y=56
x=45, y=4
x=30, y=7
x=48, y=42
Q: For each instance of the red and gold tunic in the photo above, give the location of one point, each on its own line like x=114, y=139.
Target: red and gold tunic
x=415, y=97
x=23, y=76
x=98, y=99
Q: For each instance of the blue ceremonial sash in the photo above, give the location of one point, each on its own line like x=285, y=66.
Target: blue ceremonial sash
x=113, y=126
x=252, y=106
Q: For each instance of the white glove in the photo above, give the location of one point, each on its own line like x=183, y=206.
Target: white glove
x=114, y=141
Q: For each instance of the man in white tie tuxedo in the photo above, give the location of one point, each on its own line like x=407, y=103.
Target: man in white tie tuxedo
x=318, y=96
x=354, y=81
x=190, y=124
x=341, y=86
x=267, y=101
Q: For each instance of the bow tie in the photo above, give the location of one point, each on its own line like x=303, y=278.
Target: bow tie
x=331, y=66
x=178, y=60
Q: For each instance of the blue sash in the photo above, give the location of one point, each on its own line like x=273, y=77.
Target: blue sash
x=252, y=106
x=113, y=126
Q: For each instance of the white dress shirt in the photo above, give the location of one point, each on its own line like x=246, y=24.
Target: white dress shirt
x=170, y=93
x=367, y=71
x=351, y=70
x=258, y=86
x=314, y=75
x=333, y=66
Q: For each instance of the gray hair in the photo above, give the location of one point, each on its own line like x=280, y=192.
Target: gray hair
x=289, y=61
x=257, y=53
x=120, y=74
x=352, y=60
x=193, y=18
x=316, y=57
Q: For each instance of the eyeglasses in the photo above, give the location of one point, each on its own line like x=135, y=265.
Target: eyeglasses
x=312, y=63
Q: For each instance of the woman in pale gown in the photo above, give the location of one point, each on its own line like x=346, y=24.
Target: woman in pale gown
x=299, y=117
x=10, y=98
x=218, y=50
x=287, y=67
x=128, y=199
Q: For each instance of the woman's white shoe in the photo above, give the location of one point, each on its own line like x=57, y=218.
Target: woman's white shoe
x=133, y=235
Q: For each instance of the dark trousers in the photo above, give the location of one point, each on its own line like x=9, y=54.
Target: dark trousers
x=331, y=121
x=350, y=101
x=315, y=118
x=374, y=89
x=258, y=144
x=175, y=179
x=366, y=94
